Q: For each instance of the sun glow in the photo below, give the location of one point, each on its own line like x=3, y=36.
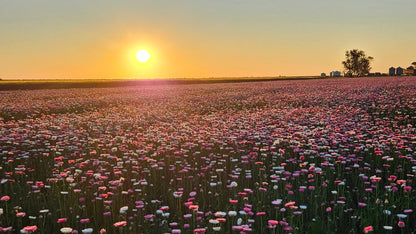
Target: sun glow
x=143, y=56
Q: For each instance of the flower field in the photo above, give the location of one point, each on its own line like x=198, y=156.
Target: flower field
x=301, y=156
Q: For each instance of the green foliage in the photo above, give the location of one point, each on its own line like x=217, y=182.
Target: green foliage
x=356, y=63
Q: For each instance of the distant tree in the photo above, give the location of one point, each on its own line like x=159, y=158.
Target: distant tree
x=356, y=63
x=414, y=64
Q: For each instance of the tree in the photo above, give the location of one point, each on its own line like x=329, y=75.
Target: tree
x=357, y=63
x=414, y=64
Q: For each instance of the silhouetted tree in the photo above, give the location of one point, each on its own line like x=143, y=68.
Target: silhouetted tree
x=356, y=63
x=414, y=64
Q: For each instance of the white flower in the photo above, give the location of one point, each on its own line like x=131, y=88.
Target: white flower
x=216, y=229
x=232, y=213
x=401, y=215
x=242, y=212
x=66, y=230
x=239, y=221
x=220, y=214
x=123, y=209
x=87, y=230
x=213, y=221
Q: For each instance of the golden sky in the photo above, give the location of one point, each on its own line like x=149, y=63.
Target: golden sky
x=200, y=38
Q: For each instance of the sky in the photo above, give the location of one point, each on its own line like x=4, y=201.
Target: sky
x=200, y=38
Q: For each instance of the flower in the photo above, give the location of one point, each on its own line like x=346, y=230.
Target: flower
x=66, y=230
x=62, y=220
x=272, y=222
x=120, y=224
x=5, y=198
x=368, y=229
x=232, y=213
x=87, y=220
x=29, y=229
x=21, y=214
x=400, y=224
x=123, y=209
x=362, y=204
x=199, y=230
x=87, y=230
x=402, y=215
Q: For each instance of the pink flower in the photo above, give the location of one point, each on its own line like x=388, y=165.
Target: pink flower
x=368, y=229
x=273, y=222
x=30, y=229
x=199, y=230
x=400, y=224
x=21, y=214
x=85, y=220
x=407, y=189
x=193, y=207
x=292, y=203
x=120, y=224
x=288, y=228
x=62, y=220
x=362, y=204
x=5, y=198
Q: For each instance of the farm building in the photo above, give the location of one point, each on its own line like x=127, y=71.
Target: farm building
x=399, y=71
x=392, y=71
x=335, y=74
x=409, y=71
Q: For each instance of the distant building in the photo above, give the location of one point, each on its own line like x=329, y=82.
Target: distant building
x=399, y=71
x=323, y=75
x=335, y=74
x=392, y=71
x=409, y=71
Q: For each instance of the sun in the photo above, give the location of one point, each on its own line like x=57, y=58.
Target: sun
x=143, y=56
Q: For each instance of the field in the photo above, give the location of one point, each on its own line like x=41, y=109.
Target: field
x=290, y=156
x=111, y=83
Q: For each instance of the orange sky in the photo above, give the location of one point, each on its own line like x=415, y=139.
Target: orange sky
x=198, y=38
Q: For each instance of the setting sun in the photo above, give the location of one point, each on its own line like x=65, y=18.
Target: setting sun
x=143, y=56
